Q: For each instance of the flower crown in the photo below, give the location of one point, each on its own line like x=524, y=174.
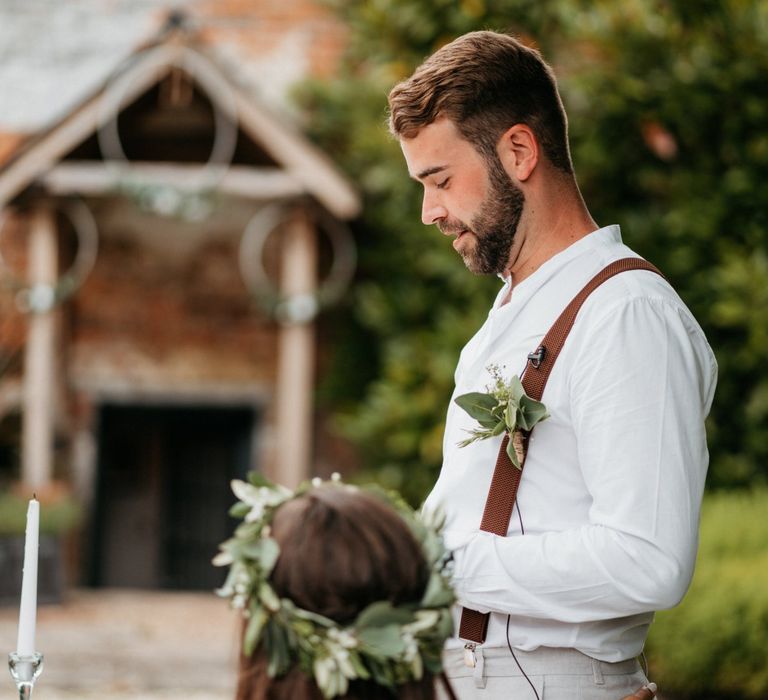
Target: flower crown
x=389, y=644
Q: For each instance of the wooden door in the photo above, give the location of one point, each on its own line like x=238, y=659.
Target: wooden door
x=164, y=493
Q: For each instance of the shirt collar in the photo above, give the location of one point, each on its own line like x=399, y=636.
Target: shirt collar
x=595, y=239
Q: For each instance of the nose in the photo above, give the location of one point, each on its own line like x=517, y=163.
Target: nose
x=432, y=210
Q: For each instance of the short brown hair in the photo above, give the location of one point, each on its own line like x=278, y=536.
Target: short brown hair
x=340, y=551
x=484, y=82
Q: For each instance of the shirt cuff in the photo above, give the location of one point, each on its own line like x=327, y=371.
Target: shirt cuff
x=470, y=558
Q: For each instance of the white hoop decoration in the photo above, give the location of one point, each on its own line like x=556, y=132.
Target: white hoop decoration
x=158, y=197
x=40, y=298
x=296, y=308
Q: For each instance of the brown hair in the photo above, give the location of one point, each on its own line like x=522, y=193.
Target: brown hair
x=340, y=550
x=484, y=82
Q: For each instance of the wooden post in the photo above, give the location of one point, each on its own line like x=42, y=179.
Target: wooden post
x=296, y=358
x=39, y=358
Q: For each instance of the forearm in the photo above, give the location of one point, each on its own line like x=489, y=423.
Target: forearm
x=587, y=574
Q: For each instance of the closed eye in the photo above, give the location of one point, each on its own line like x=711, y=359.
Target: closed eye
x=442, y=185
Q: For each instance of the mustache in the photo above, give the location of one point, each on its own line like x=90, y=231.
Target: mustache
x=452, y=227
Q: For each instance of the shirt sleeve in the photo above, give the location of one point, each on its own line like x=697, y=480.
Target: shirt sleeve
x=640, y=384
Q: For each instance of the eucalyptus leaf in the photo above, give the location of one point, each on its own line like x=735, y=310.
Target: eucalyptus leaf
x=491, y=422
x=382, y=672
x=432, y=551
x=248, y=531
x=498, y=410
x=268, y=596
x=382, y=613
x=510, y=416
x=436, y=594
x=512, y=454
x=258, y=479
x=417, y=667
x=254, y=629
x=251, y=549
x=322, y=673
x=479, y=406
x=312, y=617
x=531, y=412
x=433, y=664
x=239, y=510
x=384, y=641
x=425, y=619
x=276, y=640
x=227, y=553
x=358, y=665
x=338, y=685
x=444, y=627
x=270, y=551
x=516, y=391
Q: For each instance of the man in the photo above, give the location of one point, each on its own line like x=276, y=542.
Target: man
x=604, y=531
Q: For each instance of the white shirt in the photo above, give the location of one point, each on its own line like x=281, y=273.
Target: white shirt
x=613, y=481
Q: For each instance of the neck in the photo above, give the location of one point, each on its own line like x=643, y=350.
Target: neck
x=554, y=218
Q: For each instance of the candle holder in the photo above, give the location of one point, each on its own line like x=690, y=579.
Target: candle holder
x=24, y=671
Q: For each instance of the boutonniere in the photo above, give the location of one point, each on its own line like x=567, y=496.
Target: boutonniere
x=505, y=407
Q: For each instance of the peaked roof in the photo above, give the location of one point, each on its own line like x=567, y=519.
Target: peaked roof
x=28, y=157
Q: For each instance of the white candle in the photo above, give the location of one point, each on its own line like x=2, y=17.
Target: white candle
x=25, y=645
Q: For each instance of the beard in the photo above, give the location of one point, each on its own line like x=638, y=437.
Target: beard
x=495, y=226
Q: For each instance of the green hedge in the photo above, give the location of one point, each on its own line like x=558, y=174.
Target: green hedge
x=56, y=515
x=715, y=644
x=667, y=112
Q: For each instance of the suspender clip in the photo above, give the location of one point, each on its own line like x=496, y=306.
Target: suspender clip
x=470, y=659
x=537, y=357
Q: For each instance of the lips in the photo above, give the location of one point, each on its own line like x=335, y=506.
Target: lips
x=457, y=240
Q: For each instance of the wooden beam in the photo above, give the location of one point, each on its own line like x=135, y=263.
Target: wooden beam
x=296, y=359
x=56, y=143
x=301, y=159
x=39, y=359
x=298, y=156
x=95, y=178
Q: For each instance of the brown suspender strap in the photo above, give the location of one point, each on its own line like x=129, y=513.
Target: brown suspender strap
x=506, y=477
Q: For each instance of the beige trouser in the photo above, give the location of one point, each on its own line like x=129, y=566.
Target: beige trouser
x=556, y=674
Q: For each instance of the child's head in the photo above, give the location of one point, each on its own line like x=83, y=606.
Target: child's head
x=342, y=550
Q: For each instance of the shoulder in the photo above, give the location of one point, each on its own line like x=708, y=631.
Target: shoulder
x=636, y=319
x=633, y=298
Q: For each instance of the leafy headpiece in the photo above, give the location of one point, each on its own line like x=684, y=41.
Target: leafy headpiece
x=387, y=644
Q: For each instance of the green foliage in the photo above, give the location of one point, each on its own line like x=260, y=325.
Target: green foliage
x=672, y=144
x=714, y=643
x=56, y=517
x=668, y=108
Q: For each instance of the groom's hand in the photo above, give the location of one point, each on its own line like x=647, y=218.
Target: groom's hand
x=647, y=692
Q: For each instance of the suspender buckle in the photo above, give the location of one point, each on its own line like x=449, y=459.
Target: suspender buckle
x=470, y=659
x=537, y=357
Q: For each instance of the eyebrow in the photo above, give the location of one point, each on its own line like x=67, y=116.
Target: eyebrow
x=429, y=171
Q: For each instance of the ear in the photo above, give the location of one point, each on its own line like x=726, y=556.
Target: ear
x=519, y=151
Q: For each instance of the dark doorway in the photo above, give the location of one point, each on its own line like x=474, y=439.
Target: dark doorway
x=163, y=493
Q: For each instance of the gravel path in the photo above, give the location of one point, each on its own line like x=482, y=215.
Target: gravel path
x=121, y=645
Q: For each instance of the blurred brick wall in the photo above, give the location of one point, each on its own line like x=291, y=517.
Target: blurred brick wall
x=13, y=325
x=259, y=26
x=171, y=312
